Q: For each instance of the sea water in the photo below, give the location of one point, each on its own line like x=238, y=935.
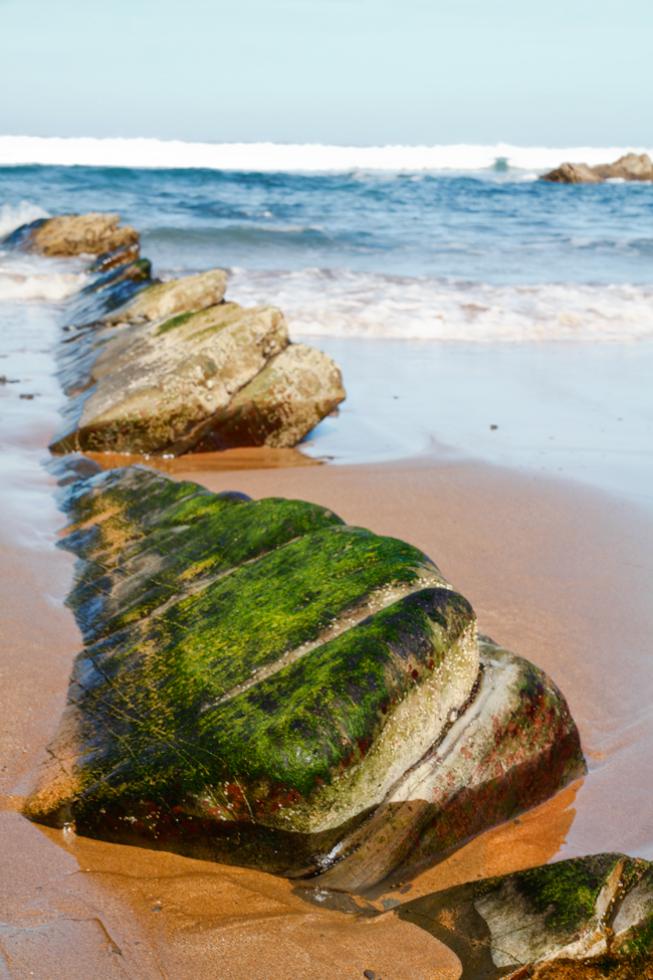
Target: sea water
x=470, y=304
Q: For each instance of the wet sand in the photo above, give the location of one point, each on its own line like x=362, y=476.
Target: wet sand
x=556, y=572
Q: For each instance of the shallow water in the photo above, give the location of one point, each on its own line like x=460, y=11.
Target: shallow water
x=578, y=411
x=475, y=256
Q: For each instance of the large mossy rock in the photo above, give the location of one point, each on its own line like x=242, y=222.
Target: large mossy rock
x=586, y=917
x=74, y=234
x=206, y=379
x=265, y=685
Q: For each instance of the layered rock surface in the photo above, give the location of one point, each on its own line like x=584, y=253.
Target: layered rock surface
x=586, y=917
x=213, y=378
x=169, y=367
x=74, y=234
x=263, y=684
x=632, y=166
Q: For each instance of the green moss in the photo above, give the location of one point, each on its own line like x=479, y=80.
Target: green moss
x=289, y=733
x=175, y=321
x=324, y=711
x=186, y=595
x=566, y=892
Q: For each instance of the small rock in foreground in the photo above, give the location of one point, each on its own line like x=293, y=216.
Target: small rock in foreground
x=587, y=917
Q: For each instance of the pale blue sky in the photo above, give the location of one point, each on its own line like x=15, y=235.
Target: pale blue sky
x=344, y=71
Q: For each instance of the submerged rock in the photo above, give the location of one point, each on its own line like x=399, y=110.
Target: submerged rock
x=632, y=166
x=264, y=685
x=74, y=234
x=170, y=386
x=585, y=917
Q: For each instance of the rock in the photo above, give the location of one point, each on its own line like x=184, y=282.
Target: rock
x=264, y=685
x=632, y=166
x=165, y=386
x=121, y=256
x=572, y=173
x=584, y=917
x=165, y=299
x=294, y=391
x=513, y=748
x=74, y=234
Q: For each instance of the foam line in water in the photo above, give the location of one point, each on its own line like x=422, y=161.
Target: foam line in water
x=343, y=303
x=270, y=157
x=38, y=287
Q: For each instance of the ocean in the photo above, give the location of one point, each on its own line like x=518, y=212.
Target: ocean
x=551, y=286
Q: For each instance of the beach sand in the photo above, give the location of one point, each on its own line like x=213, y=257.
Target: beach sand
x=555, y=571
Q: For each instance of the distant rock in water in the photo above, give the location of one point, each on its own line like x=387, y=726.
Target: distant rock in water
x=74, y=234
x=586, y=917
x=169, y=367
x=265, y=685
x=632, y=166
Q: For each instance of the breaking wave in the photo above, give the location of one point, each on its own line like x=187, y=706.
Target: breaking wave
x=50, y=288
x=271, y=157
x=12, y=216
x=325, y=302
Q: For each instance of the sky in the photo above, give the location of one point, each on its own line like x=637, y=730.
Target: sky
x=363, y=72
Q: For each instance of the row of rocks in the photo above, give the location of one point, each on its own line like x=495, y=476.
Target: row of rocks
x=170, y=367
x=632, y=166
x=265, y=685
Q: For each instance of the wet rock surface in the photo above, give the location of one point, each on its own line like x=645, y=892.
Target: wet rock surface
x=264, y=685
x=584, y=917
x=74, y=234
x=170, y=367
x=631, y=166
x=161, y=300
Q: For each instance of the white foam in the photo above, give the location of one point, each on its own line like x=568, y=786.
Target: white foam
x=12, y=216
x=343, y=303
x=154, y=153
x=49, y=288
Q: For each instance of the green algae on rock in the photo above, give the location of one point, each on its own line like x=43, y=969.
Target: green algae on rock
x=583, y=917
x=263, y=684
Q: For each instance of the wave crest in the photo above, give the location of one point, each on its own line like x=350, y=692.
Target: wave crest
x=275, y=157
x=12, y=216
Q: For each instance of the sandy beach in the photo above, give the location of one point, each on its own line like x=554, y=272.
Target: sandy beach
x=502, y=466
